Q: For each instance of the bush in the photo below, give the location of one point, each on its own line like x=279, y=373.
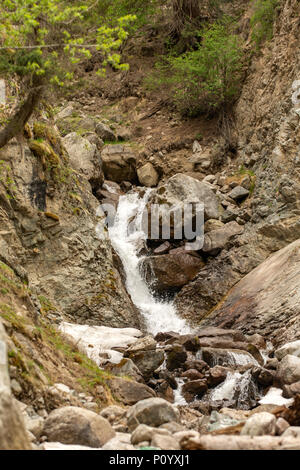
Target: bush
x=203, y=80
x=262, y=20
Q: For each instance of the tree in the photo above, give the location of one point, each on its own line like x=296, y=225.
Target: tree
x=42, y=41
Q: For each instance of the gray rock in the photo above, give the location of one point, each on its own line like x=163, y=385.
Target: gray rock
x=238, y=193
x=119, y=163
x=153, y=412
x=73, y=425
x=216, y=240
x=292, y=431
x=260, y=424
x=292, y=348
x=145, y=433
x=105, y=132
x=281, y=426
x=12, y=430
x=147, y=175
x=113, y=413
x=289, y=369
x=83, y=156
x=165, y=442
x=120, y=442
x=129, y=392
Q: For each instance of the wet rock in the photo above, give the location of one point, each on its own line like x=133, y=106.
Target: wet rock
x=265, y=377
x=73, y=425
x=164, y=390
x=119, y=163
x=170, y=271
x=148, y=361
x=147, y=175
x=105, y=133
x=292, y=348
x=199, y=365
x=153, y=412
x=190, y=343
x=129, y=392
x=217, y=375
x=194, y=388
x=238, y=193
x=227, y=357
x=260, y=424
x=192, y=374
x=221, y=334
x=289, y=370
x=176, y=357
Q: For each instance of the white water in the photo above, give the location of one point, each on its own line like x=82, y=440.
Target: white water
x=178, y=397
x=236, y=387
x=159, y=315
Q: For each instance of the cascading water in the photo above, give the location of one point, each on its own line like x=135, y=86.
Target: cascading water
x=159, y=315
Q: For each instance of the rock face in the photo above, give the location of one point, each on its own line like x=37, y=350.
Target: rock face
x=12, y=430
x=266, y=300
x=153, y=412
x=72, y=425
x=170, y=271
x=84, y=157
x=147, y=175
x=119, y=163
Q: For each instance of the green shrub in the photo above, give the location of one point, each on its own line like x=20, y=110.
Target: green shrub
x=262, y=20
x=203, y=80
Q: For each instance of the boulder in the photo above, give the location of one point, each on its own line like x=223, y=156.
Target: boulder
x=292, y=431
x=194, y=388
x=120, y=442
x=212, y=224
x=224, y=442
x=153, y=412
x=289, y=391
x=265, y=299
x=192, y=374
x=148, y=361
x=176, y=357
x=281, y=426
x=163, y=442
x=170, y=271
x=238, y=193
x=147, y=343
x=13, y=435
x=105, y=132
x=289, y=369
x=147, y=175
x=127, y=368
x=113, y=413
x=73, y=425
x=232, y=358
x=216, y=240
x=292, y=348
x=217, y=375
x=119, y=163
x=84, y=157
x=260, y=424
x=145, y=433
x=129, y=392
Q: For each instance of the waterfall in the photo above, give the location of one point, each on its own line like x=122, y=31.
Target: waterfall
x=159, y=315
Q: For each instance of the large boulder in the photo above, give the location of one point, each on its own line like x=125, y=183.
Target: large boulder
x=260, y=424
x=73, y=425
x=147, y=175
x=119, y=163
x=227, y=357
x=216, y=240
x=171, y=271
x=147, y=361
x=289, y=370
x=292, y=348
x=13, y=435
x=266, y=300
x=182, y=189
x=129, y=392
x=84, y=157
x=153, y=412
x=105, y=132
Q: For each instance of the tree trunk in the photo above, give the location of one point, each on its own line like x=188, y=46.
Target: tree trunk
x=16, y=124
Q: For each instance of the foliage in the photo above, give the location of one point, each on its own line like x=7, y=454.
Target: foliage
x=45, y=23
x=203, y=80
x=262, y=20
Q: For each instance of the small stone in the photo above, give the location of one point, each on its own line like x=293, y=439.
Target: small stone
x=260, y=424
x=238, y=193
